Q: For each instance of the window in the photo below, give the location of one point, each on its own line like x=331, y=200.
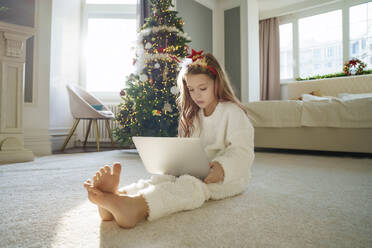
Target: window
x=355, y=48
x=317, y=52
x=109, y=53
x=361, y=32
x=319, y=46
x=320, y=32
x=109, y=45
x=286, y=51
x=330, y=52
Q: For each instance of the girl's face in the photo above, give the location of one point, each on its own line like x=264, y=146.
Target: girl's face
x=201, y=88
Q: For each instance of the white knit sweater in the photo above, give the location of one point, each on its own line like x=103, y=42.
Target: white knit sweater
x=227, y=137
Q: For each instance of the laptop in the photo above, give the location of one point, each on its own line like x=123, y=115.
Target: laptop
x=172, y=155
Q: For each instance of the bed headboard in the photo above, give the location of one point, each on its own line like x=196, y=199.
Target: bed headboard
x=332, y=86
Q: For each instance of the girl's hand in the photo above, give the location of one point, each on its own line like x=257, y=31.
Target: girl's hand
x=216, y=173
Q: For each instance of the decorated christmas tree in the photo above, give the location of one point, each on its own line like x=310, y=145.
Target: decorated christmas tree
x=149, y=97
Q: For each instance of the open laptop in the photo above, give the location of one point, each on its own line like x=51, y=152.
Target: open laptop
x=173, y=156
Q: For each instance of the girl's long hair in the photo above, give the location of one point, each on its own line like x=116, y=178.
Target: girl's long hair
x=222, y=90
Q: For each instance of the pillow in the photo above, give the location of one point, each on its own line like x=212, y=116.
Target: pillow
x=309, y=98
x=349, y=97
x=97, y=106
x=313, y=93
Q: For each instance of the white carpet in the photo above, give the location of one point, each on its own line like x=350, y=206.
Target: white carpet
x=292, y=201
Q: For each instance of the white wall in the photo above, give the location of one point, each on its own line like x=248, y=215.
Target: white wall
x=36, y=114
x=198, y=24
x=250, y=88
x=64, y=67
x=253, y=55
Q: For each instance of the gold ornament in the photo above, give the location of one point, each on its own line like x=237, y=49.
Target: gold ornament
x=165, y=73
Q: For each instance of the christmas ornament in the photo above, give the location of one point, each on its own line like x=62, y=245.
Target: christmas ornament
x=157, y=66
x=143, y=77
x=167, y=107
x=174, y=90
x=122, y=93
x=156, y=112
x=148, y=45
x=165, y=73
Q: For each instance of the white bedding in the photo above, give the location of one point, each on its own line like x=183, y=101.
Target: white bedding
x=337, y=113
x=333, y=113
x=275, y=113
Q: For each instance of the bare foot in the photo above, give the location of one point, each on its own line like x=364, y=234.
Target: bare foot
x=127, y=211
x=105, y=215
x=108, y=181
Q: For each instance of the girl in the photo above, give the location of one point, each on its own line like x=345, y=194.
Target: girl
x=209, y=110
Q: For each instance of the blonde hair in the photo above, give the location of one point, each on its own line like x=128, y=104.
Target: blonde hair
x=222, y=90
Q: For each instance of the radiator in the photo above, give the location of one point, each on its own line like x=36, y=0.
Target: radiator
x=102, y=130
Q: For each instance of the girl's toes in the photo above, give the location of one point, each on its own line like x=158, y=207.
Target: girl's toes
x=107, y=169
x=116, y=169
x=86, y=184
x=102, y=171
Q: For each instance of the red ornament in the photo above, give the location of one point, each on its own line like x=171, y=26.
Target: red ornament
x=160, y=49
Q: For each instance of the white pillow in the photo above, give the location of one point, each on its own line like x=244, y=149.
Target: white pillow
x=309, y=98
x=349, y=97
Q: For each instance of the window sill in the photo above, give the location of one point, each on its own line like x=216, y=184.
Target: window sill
x=288, y=81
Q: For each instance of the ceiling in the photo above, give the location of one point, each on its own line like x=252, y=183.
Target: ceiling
x=266, y=5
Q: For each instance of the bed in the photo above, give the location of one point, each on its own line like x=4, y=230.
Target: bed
x=332, y=122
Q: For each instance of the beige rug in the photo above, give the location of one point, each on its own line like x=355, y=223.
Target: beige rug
x=293, y=201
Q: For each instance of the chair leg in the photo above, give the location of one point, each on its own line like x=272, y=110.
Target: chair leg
x=97, y=134
x=70, y=134
x=110, y=133
x=86, y=135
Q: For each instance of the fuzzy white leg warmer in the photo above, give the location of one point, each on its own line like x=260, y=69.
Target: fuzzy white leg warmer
x=185, y=193
x=132, y=189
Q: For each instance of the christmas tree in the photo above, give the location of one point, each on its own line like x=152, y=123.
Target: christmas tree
x=149, y=97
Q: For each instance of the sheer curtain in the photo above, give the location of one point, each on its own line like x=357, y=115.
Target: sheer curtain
x=270, y=59
x=143, y=11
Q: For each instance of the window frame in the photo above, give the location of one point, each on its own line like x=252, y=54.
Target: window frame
x=119, y=11
x=293, y=18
